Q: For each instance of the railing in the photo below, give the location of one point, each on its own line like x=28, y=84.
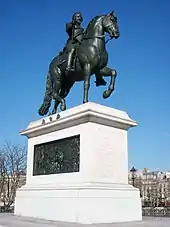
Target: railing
x=5, y=209
x=156, y=212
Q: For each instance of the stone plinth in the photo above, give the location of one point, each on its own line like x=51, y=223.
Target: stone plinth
x=97, y=191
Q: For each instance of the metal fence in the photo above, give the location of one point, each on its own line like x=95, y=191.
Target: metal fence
x=156, y=212
x=149, y=211
x=4, y=209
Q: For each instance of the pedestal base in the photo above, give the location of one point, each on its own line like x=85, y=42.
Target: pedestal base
x=84, y=203
x=85, y=183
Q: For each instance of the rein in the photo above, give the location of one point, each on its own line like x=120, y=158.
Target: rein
x=100, y=37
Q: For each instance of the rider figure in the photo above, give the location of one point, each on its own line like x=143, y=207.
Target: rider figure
x=75, y=33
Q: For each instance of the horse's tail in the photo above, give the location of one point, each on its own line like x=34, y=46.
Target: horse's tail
x=43, y=110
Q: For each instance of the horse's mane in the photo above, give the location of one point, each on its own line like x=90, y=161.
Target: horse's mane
x=91, y=23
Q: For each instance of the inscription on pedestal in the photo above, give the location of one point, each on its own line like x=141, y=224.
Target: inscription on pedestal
x=60, y=156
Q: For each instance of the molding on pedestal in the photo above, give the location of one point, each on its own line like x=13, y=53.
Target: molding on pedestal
x=88, y=112
x=79, y=186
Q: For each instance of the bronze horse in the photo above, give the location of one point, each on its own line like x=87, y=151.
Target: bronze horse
x=91, y=58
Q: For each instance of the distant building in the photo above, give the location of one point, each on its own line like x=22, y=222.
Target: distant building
x=154, y=186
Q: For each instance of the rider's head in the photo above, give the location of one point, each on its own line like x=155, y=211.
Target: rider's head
x=77, y=18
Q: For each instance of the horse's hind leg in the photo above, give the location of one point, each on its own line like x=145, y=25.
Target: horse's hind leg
x=112, y=73
x=57, y=102
x=57, y=83
x=63, y=93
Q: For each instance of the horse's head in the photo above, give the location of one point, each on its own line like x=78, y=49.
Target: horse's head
x=110, y=25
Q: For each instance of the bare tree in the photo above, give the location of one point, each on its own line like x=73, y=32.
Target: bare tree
x=2, y=178
x=12, y=172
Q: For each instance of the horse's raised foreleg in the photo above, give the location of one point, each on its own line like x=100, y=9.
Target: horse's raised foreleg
x=112, y=73
x=87, y=73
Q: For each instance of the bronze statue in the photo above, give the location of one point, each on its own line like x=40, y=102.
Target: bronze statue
x=86, y=53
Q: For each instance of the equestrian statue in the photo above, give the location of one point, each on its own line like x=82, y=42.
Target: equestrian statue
x=83, y=55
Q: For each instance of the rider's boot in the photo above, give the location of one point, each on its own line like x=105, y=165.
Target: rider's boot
x=100, y=81
x=69, y=62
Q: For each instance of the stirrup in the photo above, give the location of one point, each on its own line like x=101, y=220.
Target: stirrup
x=70, y=69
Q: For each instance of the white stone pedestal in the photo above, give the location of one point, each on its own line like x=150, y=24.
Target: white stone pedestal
x=99, y=192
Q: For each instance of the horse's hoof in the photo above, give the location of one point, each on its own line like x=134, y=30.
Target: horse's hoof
x=63, y=107
x=54, y=112
x=106, y=94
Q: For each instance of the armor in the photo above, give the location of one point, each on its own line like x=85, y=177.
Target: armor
x=77, y=33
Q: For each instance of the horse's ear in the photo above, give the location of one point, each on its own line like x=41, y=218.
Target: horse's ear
x=111, y=13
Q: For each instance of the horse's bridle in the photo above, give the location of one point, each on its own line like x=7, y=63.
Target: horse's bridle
x=100, y=37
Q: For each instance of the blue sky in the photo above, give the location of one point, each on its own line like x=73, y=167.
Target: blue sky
x=33, y=32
